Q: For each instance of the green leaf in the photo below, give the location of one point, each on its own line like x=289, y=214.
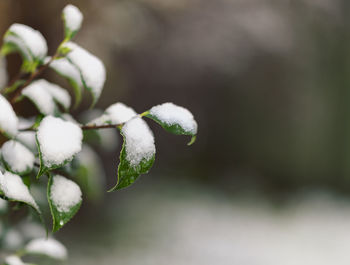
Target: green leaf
x=28, y=42
x=72, y=18
x=135, y=132
x=17, y=158
x=8, y=118
x=64, y=68
x=15, y=260
x=14, y=86
x=43, y=169
x=128, y=174
x=47, y=96
x=12, y=188
x=83, y=69
x=60, y=192
x=46, y=247
x=174, y=119
x=59, y=146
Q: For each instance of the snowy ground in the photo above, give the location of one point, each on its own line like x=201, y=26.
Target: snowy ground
x=205, y=230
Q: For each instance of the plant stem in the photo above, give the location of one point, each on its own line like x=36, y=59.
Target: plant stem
x=84, y=127
x=96, y=127
x=32, y=77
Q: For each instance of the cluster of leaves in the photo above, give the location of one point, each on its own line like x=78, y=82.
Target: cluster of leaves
x=52, y=143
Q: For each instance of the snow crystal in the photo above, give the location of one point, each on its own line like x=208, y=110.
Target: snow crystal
x=13, y=188
x=18, y=158
x=8, y=118
x=47, y=246
x=115, y=114
x=120, y=113
x=72, y=17
x=58, y=93
x=91, y=68
x=108, y=138
x=66, y=69
x=43, y=94
x=172, y=114
x=28, y=139
x=139, y=141
x=64, y=193
x=59, y=140
x=41, y=97
x=14, y=260
x=28, y=38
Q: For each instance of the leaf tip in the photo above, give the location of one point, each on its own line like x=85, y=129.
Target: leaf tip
x=193, y=140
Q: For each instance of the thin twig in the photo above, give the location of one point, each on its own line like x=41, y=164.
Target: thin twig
x=32, y=77
x=96, y=127
x=83, y=127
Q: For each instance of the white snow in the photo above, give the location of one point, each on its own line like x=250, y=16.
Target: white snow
x=115, y=114
x=29, y=39
x=139, y=141
x=8, y=118
x=64, y=193
x=25, y=123
x=48, y=247
x=120, y=113
x=172, y=114
x=13, y=188
x=59, y=94
x=91, y=68
x=17, y=157
x=28, y=139
x=108, y=138
x=68, y=117
x=68, y=70
x=59, y=140
x=41, y=97
x=72, y=17
x=44, y=94
x=14, y=260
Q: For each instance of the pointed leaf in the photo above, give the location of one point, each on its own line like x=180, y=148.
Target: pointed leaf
x=14, y=260
x=46, y=247
x=72, y=18
x=84, y=66
x=174, y=119
x=64, y=197
x=8, y=118
x=65, y=68
x=17, y=158
x=12, y=188
x=27, y=41
x=45, y=95
x=138, y=152
x=58, y=142
x=117, y=113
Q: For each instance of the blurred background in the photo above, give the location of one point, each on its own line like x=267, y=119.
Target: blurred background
x=268, y=81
